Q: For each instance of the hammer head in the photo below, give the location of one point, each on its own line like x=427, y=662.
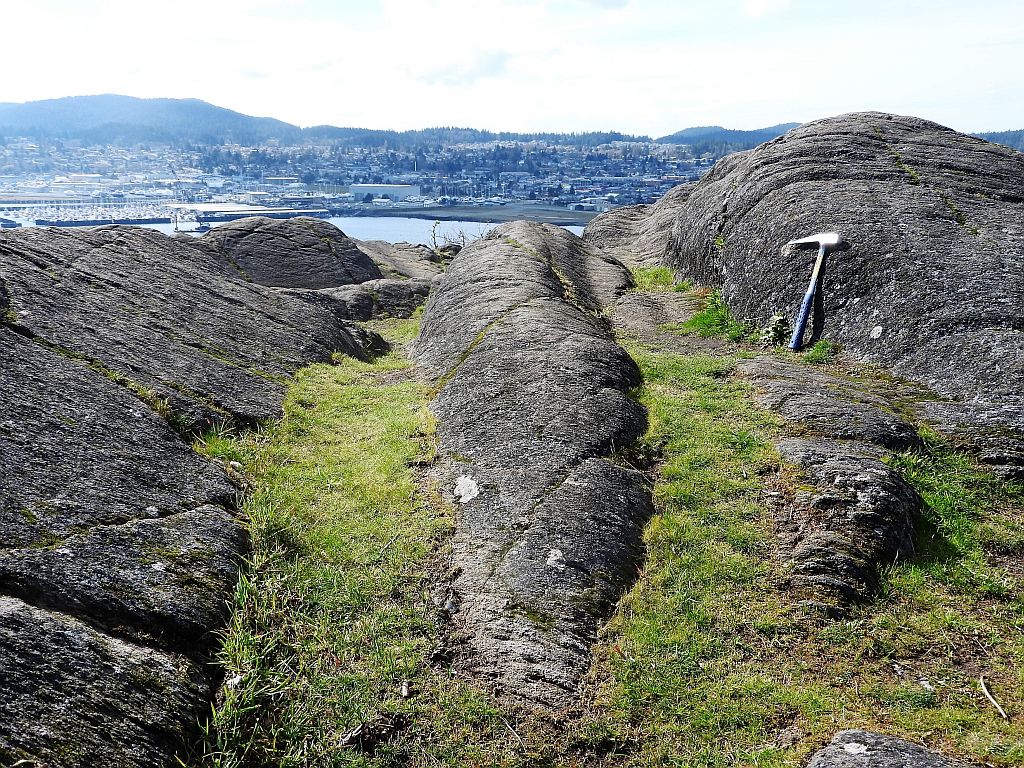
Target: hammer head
x=829, y=241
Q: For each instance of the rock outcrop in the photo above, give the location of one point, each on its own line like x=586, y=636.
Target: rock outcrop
x=639, y=235
x=933, y=286
x=379, y=298
x=864, y=749
x=166, y=318
x=401, y=260
x=119, y=548
x=302, y=252
x=532, y=401
x=852, y=514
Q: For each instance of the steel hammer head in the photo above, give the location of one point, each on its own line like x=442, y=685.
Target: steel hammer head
x=829, y=241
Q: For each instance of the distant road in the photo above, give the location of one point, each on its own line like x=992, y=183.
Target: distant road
x=492, y=213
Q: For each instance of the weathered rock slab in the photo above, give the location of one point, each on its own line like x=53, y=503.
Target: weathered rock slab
x=933, y=286
x=76, y=698
x=864, y=749
x=830, y=405
x=639, y=235
x=402, y=260
x=532, y=398
x=301, y=252
x=857, y=517
x=119, y=548
x=379, y=298
x=168, y=317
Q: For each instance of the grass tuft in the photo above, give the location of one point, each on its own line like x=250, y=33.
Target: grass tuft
x=822, y=353
x=658, y=279
x=715, y=319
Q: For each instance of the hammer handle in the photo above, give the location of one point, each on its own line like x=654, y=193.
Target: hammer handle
x=805, y=309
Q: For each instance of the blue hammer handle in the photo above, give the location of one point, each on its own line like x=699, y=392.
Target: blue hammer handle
x=805, y=309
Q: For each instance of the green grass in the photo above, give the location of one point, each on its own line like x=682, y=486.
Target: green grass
x=822, y=352
x=658, y=279
x=334, y=612
x=714, y=319
x=973, y=521
x=330, y=617
x=706, y=662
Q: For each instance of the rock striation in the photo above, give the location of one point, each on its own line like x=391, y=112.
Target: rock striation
x=639, y=235
x=167, y=318
x=119, y=546
x=301, y=252
x=532, y=402
x=402, y=260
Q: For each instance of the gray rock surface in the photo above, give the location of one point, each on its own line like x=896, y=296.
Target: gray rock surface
x=379, y=298
x=933, y=286
x=74, y=697
x=864, y=749
x=532, y=396
x=639, y=235
x=169, y=317
x=119, y=549
x=852, y=514
x=399, y=260
x=829, y=405
x=301, y=252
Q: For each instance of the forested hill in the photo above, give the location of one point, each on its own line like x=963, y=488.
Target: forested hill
x=113, y=119
x=364, y=137
x=127, y=120
x=721, y=141
x=1012, y=139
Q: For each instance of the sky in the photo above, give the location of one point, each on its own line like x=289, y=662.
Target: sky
x=637, y=66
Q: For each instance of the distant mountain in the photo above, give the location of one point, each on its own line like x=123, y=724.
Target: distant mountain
x=1011, y=139
x=112, y=119
x=721, y=141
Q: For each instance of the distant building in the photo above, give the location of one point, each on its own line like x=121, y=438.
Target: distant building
x=391, y=191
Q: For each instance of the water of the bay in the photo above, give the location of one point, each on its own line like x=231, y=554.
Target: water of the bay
x=396, y=229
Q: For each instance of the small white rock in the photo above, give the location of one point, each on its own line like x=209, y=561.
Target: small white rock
x=556, y=559
x=876, y=332
x=466, y=489
x=856, y=749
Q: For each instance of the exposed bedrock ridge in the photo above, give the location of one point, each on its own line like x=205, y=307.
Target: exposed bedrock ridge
x=532, y=399
x=933, y=286
x=169, y=317
x=119, y=549
x=402, y=260
x=301, y=252
x=639, y=235
x=853, y=514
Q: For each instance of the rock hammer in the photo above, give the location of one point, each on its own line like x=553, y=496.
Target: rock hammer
x=826, y=242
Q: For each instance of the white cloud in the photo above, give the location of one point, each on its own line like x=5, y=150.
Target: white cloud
x=756, y=9
x=642, y=66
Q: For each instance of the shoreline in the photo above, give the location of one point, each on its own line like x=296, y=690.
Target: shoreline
x=486, y=215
